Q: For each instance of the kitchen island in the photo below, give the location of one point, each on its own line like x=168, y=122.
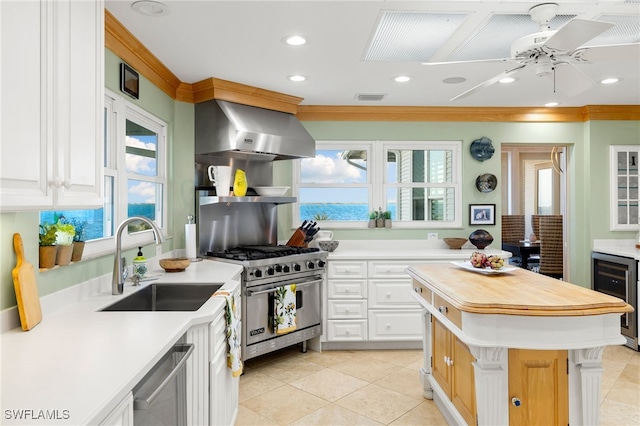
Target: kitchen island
x=513, y=348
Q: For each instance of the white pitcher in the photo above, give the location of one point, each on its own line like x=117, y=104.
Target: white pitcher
x=220, y=177
x=324, y=236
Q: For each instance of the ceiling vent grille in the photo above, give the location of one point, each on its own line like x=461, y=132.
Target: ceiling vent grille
x=370, y=97
x=410, y=36
x=626, y=30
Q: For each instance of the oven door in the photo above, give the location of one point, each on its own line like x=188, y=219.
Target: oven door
x=258, y=316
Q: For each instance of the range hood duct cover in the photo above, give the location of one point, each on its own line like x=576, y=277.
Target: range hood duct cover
x=227, y=128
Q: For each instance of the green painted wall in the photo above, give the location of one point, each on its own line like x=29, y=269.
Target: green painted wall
x=588, y=174
x=179, y=116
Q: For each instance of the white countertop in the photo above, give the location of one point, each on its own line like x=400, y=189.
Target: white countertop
x=81, y=362
x=624, y=248
x=406, y=250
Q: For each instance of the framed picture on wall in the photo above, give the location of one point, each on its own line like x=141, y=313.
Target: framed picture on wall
x=482, y=214
x=129, y=81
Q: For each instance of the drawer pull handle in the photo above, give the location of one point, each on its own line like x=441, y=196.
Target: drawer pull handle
x=388, y=295
x=516, y=401
x=442, y=309
x=388, y=326
x=346, y=290
x=418, y=289
x=347, y=310
x=348, y=332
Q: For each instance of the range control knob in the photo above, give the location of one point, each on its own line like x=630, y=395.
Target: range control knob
x=286, y=269
x=321, y=263
x=270, y=271
x=257, y=273
x=278, y=268
x=310, y=265
x=296, y=267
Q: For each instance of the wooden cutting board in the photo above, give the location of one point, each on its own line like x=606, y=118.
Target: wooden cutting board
x=24, y=282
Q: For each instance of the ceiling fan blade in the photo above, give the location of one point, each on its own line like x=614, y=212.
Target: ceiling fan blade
x=489, y=82
x=575, y=33
x=611, y=52
x=570, y=80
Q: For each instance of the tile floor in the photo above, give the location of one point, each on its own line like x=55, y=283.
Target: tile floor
x=383, y=388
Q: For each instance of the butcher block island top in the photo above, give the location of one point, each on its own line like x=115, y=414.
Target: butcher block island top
x=518, y=292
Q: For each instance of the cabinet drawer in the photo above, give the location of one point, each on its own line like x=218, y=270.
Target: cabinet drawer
x=448, y=310
x=347, y=289
x=345, y=309
x=347, y=269
x=217, y=335
x=347, y=330
x=395, y=325
x=391, y=293
x=423, y=291
x=389, y=269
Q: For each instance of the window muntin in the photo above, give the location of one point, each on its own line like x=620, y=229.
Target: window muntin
x=418, y=182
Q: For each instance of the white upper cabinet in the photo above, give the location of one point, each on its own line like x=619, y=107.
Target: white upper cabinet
x=51, y=94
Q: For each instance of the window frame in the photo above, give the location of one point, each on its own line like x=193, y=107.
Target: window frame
x=377, y=180
x=118, y=109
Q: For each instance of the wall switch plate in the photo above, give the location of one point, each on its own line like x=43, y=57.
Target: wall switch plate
x=432, y=236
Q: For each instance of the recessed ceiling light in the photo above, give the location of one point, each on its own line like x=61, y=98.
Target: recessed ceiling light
x=296, y=78
x=454, y=80
x=506, y=80
x=150, y=8
x=401, y=79
x=551, y=104
x=295, y=40
x=609, y=80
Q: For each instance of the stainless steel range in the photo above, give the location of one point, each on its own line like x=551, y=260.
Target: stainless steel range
x=267, y=268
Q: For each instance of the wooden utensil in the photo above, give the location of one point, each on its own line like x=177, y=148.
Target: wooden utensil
x=24, y=282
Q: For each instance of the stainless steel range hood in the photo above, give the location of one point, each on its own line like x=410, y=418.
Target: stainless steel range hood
x=228, y=129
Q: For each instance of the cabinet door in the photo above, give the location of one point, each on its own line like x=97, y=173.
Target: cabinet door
x=540, y=381
x=217, y=382
x=122, y=415
x=463, y=388
x=25, y=88
x=441, y=345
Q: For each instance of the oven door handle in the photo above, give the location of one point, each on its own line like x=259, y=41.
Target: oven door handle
x=272, y=290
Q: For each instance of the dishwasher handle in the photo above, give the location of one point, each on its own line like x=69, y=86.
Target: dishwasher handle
x=145, y=403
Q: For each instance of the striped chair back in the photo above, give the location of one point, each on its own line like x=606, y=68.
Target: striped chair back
x=551, y=245
x=512, y=228
x=535, y=224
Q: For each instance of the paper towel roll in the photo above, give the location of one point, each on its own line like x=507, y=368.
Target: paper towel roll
x=190, y=240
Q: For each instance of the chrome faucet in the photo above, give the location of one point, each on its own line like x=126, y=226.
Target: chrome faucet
x=119, y=264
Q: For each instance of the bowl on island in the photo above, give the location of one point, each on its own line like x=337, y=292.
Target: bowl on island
x=176, y=264
x=455, y=243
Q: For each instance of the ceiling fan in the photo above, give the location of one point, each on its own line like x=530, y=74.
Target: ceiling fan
x=555, y=53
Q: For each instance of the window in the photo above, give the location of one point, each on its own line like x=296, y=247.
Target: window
x=417, y=182
x=134, y=177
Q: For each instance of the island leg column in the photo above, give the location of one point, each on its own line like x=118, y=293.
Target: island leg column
x=585, y=381
x=425, y=371
x=492, y=385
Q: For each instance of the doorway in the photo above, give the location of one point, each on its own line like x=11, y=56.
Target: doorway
x=535, y=183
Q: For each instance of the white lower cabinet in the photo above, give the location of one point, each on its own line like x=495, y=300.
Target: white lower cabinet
x=369, y=301
x=122, y=415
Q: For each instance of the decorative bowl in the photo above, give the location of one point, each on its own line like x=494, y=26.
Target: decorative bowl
x=455, y=243
x=271, y=191
x=176, y=264
x=480, y=238
x=328, y=245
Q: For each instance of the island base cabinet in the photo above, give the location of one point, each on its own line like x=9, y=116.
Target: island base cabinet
x=538, y=387
x=122, y=415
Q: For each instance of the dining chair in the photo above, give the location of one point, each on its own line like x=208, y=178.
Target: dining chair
x=535, y=225
x=513, y=232
x=551, y=246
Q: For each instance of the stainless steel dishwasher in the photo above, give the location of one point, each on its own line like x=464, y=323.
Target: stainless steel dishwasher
x=161, y=396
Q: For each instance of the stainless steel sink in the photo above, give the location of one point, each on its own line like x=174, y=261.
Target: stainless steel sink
x=166, y=297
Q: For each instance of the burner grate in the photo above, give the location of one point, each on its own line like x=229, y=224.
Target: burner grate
x=260, y=252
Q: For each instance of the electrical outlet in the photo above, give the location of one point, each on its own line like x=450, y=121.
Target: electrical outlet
x=432, y=236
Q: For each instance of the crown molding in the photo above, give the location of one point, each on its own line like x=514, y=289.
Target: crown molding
x=125, y=45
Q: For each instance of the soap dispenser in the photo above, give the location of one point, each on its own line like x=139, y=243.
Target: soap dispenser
x=139, y=264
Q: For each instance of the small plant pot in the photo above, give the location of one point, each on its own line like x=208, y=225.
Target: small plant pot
x=78, y=249
x=63, y=257
x=372, y=223
x=379, y=223
x=387, y=223
x=47, y=257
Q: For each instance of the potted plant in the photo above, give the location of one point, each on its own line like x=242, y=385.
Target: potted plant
x=387, y=219
x=379, y=218
x=372, y=219
x=47, y=247
x=78, y=239
x=64, y=240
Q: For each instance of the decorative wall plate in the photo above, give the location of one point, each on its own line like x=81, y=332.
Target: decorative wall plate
x=482, y=149
x=486, y=182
